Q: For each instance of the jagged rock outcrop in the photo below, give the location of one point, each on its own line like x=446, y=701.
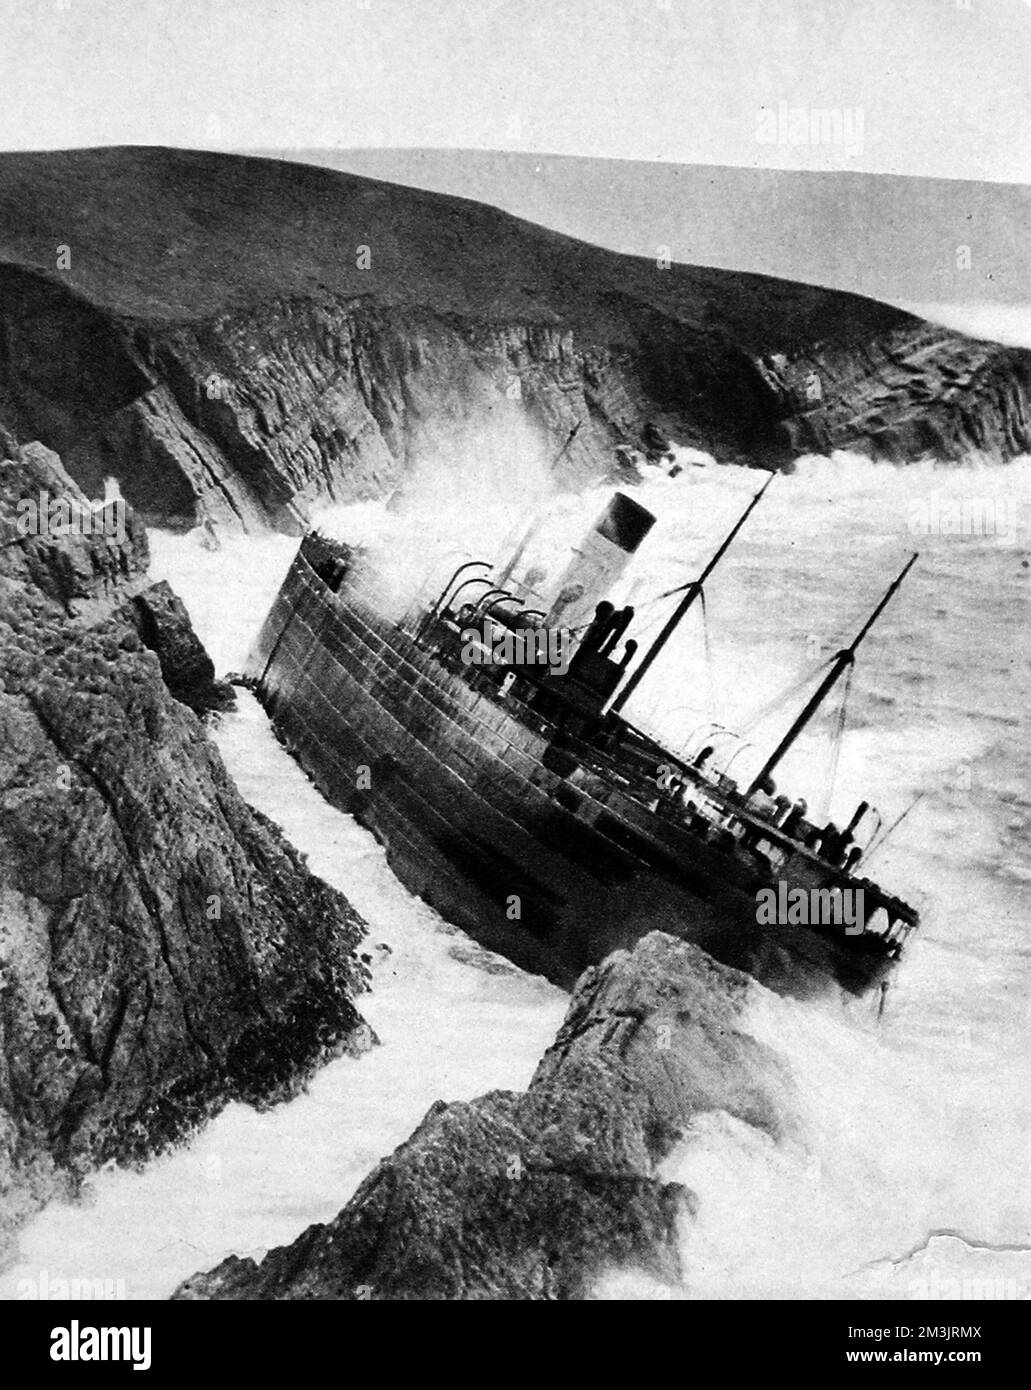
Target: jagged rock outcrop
x=920, y=392
x=162, y=947
x=235, y=338
x=163, y=624
x=539, y=1194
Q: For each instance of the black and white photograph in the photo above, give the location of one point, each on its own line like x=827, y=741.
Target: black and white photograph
x=515, y=668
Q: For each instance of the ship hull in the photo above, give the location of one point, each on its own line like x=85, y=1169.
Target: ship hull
x=474, y=823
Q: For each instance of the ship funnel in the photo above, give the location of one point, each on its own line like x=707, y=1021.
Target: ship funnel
x=598, y=562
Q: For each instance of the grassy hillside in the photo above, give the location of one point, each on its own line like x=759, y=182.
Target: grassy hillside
x=172, y=234
x=892, y=237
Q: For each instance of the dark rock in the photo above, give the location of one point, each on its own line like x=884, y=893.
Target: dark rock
x=72, y=569
x=217, y=346
x=163, y=949
x=163, y=624
x=537, y=1195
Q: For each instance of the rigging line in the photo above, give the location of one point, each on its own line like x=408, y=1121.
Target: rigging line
x=641, y=633
x=655, y=598
x=879, y=844
x=678, y=590
x=782, y=696
x=638, y=610
x=709, y=665
x=838, y=738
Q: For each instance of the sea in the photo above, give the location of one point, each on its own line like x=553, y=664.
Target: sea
x=910, y=1176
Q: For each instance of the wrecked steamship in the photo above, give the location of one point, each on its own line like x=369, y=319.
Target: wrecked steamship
x=520, y=802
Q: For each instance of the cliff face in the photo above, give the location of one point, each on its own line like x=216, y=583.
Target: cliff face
x=250, y=416
x=918, y=392
x=162, y=948
x=280, y=406
x=234, y=338
x=537, y=1195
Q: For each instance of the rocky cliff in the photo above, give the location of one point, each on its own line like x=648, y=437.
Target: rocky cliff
x=162, y=947
x=540, y=1194
x=235, y=338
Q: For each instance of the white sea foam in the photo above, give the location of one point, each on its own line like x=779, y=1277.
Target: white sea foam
x=916, y=1125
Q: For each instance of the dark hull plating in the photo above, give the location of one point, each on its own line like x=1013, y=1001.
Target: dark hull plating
x=474, y=823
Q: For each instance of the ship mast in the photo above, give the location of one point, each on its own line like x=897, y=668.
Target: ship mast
x=841, y=662
x=692, y=591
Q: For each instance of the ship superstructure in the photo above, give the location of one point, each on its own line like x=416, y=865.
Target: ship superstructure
x=482, y=738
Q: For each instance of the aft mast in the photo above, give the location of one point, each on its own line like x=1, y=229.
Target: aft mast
x=841, y=662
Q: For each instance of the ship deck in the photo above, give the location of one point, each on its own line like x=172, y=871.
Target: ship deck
x=551, y=870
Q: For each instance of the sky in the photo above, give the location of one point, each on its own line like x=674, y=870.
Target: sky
x=934, y=87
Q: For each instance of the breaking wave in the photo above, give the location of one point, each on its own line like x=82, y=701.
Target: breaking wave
x=911, y=1178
